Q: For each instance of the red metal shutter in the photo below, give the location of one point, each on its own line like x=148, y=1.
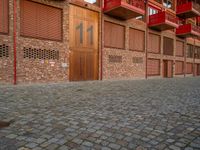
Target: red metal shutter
x=114, y=35
x=136, y=40
x=40, y=21
x=153, y=67
x=4, y=16
x=154, y=43
x=189, y=68
x=179, y=67
x=179, y=48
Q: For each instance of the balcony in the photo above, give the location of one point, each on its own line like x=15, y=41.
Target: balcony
x=188, y=10
x=188, y=30
x=163, y=21
x=124, y=9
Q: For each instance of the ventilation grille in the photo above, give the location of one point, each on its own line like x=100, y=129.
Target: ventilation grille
x=115, y=59
x=137, y=60
x=4, y=51
x=33, y=53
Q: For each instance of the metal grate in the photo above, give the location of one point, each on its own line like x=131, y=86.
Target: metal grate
x=137, y=60
x=115, y=59
x=4, y=51
x=33, y=53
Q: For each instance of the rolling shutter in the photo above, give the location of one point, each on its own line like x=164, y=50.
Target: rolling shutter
x=179, y=67
x=40, y=21
x=4, y=16
x=189, y=68
x=154, y=43
x=114, y=35
x=168, y=46
x=179, y=48
x=136, y=40
x=153, y=67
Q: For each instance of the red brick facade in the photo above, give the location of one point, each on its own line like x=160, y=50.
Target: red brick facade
x=116, y=63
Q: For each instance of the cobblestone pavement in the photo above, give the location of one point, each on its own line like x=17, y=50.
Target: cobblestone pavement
x=108, y=115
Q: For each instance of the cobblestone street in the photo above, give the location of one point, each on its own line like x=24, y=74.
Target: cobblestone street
x=109, y=115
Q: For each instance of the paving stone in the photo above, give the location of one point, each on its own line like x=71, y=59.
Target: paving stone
x=114, y=146
x=89, y=144
x=149, y=114
x=31, y=145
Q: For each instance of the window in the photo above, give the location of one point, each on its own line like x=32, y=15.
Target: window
x=168, y=46
x=152, y=11
x=153, y=67
x=95, y=2
x=40, y=21
x=136, y=40
x=168, y=4
x=4, y=16
x=114, y=35
x=179, y=48
x=189, y=52
x=154, y=43
x=91, y=1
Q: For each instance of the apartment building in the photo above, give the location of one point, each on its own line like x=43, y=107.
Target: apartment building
x=77, y=40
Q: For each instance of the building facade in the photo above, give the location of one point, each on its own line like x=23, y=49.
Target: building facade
x=74, y=40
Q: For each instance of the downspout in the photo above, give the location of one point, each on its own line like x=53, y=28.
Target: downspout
x=147, y=37
x=14, y=40
x=194, y=47
x=101, y=74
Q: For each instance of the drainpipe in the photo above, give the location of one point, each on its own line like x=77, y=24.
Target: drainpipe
x=194, y=47
x=147, y=36
x=14, y=39
x=101, y=74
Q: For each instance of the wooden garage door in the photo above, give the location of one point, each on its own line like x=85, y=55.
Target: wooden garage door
x=179, y=67
x=4, y=16
x=189, y=68
x=153, y=67
x=83, y=44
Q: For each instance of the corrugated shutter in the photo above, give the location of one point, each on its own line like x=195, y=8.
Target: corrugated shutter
x=4, y=16
x=41, y=21
x=179, y=67
x=179, y=48
x=154, y=43
x=136, y=40
x=189, y=68
x=153, y=67
x=168, y=46
x=114, y=35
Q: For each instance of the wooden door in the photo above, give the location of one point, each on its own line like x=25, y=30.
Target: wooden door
x=83, y=44
x=196, y=69
x=167, y=68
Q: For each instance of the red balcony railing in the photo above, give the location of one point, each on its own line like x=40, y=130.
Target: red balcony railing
x=188, y=30
x=188, y=10
x=163, y=21
x=124, y=9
